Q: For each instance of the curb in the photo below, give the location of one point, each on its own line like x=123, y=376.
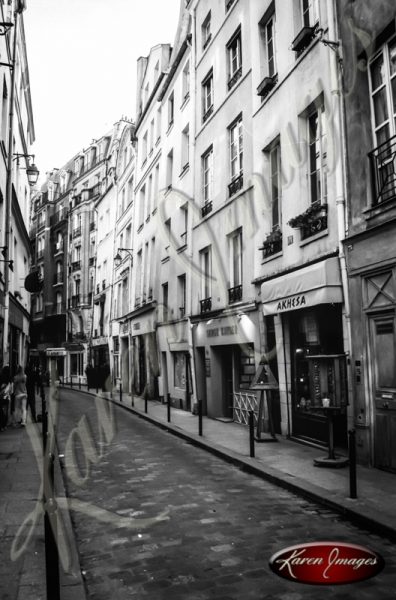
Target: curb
x=365, y=518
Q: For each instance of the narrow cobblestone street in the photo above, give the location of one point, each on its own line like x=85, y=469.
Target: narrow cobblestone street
x=158, y=518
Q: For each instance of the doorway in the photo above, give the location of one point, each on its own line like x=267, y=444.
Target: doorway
x=227, y=368
x=382, y=366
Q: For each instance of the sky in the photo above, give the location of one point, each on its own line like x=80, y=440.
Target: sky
x=82, y=64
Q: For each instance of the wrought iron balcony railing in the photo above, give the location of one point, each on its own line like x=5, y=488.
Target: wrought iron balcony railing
x=383, y=168
x=76, y=232
x=272, y=244
x=235, y=185
x=206, y=305
x=207, y=208
x=235, y=294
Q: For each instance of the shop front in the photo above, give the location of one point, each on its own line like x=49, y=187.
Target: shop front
x=227, y=349
x=308, y=306
x=177, y=370
x=145, y=368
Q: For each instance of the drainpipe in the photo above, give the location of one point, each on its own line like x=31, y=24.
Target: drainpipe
x=340, y=168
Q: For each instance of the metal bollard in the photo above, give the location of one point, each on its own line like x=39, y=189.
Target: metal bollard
x=352, y=464
x=71, y=382
x=50, y=531
x=251, y=433
x=120, y=391
x=200, y=418
x=145, y=403
x=168, y=408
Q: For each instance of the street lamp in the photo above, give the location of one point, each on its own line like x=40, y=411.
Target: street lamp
x=118, y=257
x=32, y=171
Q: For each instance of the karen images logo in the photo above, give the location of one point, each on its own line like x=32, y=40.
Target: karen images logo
x=326, y=563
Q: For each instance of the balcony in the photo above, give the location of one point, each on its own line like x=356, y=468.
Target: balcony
x=207, y=208
x=272, y=244
x=234, y=78
x=311, y=221
x=76, y=232
x=235, y=294
x=383, y=169
x=207, y=114
x=76, y=265
x=206, y=305
x=235, y=185
x=58, y=278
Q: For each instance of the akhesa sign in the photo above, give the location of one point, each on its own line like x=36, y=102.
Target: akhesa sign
x=326, y=563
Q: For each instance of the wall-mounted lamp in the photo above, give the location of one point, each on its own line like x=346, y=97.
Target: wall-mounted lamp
x=118, y=257
x=32, y=171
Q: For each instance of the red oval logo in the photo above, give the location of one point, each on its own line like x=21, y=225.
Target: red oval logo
x=326, y=563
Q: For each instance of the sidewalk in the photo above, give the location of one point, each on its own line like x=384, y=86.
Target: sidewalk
x=286, y=463
x=22, y=550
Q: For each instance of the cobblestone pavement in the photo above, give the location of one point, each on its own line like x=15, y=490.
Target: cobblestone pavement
x=158, y=518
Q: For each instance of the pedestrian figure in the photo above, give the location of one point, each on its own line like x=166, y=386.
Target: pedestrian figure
x=31, y=391
x=20, y=393
x=5, y=396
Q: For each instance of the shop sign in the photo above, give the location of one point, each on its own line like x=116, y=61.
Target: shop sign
x=55, y=352
x=290, y=303
x=228, y=330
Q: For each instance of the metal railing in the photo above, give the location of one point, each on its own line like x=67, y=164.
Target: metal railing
x=207, y=208
x=235, y=185
x=76, y=232
x=235, y=294
x=383, y=169
x=206, y=305
x=76, y=265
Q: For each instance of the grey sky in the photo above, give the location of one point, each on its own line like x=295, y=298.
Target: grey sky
x=82, y=60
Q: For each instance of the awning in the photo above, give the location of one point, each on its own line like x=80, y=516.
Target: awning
x=317, y=284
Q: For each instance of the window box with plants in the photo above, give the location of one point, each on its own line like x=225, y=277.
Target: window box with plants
x=311, y=221
x=272, y=243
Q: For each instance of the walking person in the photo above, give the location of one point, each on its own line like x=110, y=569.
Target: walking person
x=5, y=396
x=31, y=391
x=20, y=394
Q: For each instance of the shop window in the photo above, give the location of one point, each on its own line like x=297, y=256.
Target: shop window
x=179, y=373
x=246, y=366
x=76, y=364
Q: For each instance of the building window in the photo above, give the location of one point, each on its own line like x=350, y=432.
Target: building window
x=228, y=4
x=152, y=135
x=185, y=148
x=236, y=156
x=142, y=206
x=76, y=364
x=158, y=124
x=206, y=30
x=149, y=196
x=169, y=170
x=183, y=236
x=207, y=175
x=235, y=257
x=275, y=174
x=310, y=12
x=181, y=291
x=382, y=75
x=317, y=156
x=186, y=81
x=4, y=112
x=165, y=306
x=171, y=110
x=206, y=287
x=207, y=96
x=234, y=52
x=144, y=148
